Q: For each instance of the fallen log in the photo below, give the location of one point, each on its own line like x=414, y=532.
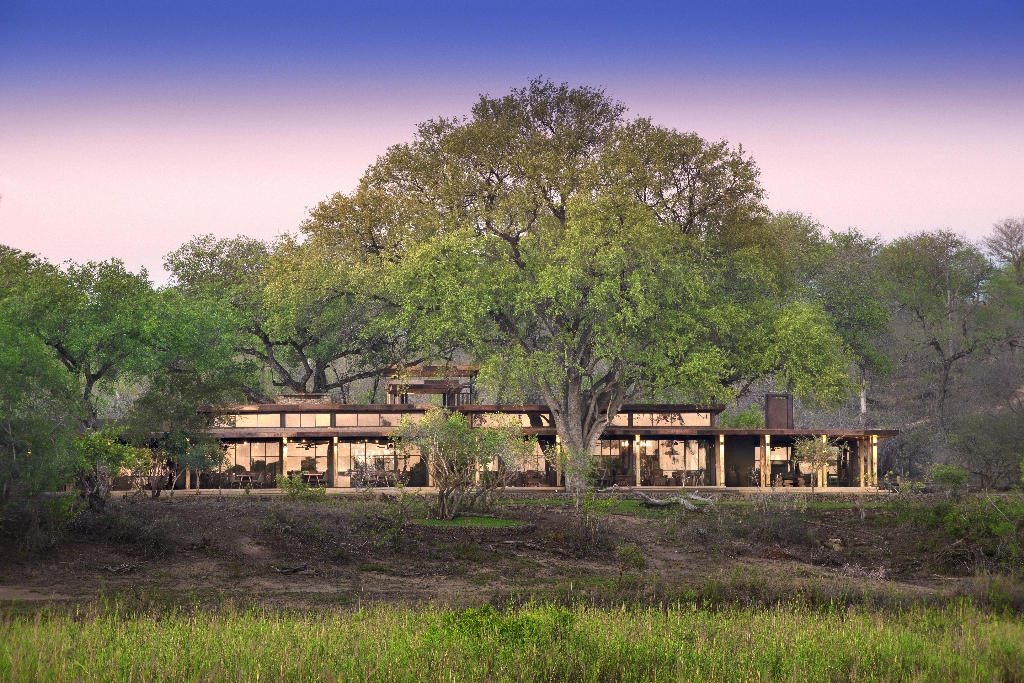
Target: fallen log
x=649, y=502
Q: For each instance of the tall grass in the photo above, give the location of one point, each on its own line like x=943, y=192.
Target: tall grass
x=543, y=643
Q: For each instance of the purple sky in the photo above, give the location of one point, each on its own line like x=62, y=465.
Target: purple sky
x=128, y=127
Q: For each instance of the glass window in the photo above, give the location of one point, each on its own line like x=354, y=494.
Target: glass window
x=343, y=457
x=242, y=458
x=345, y=420
x=368, y=419
x=245, y=420
x=268, y=420
x=322, y=420
x=291, y=420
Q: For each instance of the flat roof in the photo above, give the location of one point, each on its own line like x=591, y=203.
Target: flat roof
x=420, y=407
x=614, y=432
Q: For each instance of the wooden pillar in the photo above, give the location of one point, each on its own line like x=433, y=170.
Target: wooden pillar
x=766, y=460
x=284, y=457
x=332, y=462
x=873, y=472
x=636, y=459
x=720, y=461
x=823, y=472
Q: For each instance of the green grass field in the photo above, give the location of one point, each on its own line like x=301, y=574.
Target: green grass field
x=384, y=643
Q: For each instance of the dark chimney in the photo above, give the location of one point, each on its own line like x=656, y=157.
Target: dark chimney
x=778, y=411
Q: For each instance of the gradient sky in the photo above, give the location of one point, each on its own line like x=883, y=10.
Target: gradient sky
x=128, y=127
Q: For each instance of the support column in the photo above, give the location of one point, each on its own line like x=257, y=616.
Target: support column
x=284, y=458
x=332, y=462
x=823, y=471
x=636, y=459
x=873, y=472
x=766, y=460
x=860, y=461
x=720, y=461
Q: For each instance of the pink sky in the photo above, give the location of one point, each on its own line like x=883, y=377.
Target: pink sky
x=115, y=172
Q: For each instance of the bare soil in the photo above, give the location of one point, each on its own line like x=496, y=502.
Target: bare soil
x=277, y=552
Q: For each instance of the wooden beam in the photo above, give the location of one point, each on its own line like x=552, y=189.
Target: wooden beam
x=636, y=458
x=720, y=462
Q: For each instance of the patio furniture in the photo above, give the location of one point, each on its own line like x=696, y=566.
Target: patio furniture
x=313, y=478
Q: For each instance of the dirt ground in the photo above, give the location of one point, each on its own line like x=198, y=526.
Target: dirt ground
x=273, y=551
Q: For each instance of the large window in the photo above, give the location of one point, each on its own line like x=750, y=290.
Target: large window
x=255, y=456
x=307, y=456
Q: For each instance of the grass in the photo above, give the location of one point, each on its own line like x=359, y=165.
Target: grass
x=544, y=643
x=486, y=522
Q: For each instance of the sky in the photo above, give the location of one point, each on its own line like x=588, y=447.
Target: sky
x=126, y=128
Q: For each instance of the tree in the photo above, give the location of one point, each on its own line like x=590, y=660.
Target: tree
x=307, y=311
x=37, y=414
x=590, y=260
x=99, y=320
x=1006, y=244
x=938, y=282
x=96, y=456
x=818, y=453
x=841, y=272
x=466, y=464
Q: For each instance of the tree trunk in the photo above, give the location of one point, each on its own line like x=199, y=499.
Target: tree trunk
x=580, y=417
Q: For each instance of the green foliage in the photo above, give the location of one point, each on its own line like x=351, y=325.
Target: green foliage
x=939, y=280
x=99, y=319
x=588, y=259
x=990, y=528
x=296, y=489
x=466, y=464
x=818, y=453
x=751, y=418
x=541, y=643
x=313, y=313
x=949, y=476
x=104, y=450
x=630, y=557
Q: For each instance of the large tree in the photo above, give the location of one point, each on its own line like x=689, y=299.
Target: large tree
x=308, y=311
x=939, y=284
x=100, y=321
x=591, y=259
x=841, y=272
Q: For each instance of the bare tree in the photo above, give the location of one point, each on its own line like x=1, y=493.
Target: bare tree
x=1006, y=244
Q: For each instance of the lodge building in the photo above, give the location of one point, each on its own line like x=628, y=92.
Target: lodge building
x=349, y=445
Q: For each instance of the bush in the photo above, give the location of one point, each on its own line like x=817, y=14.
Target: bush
x=630, y=557
x=989, y=530
x=947, y=476
x=297, y=489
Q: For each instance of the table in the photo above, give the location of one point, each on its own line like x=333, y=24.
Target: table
x=310, y=478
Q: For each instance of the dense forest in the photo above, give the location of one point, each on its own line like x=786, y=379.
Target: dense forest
x=582, y=258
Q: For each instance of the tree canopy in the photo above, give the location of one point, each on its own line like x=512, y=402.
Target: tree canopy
x=588, y=259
